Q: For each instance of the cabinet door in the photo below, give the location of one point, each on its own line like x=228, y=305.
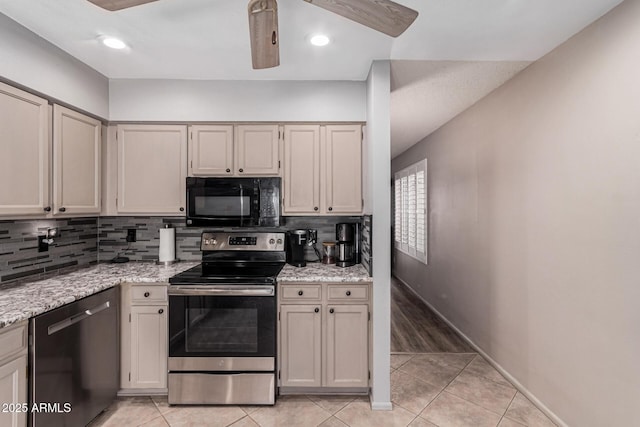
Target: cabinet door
x=300, y=340
x=24, y=153
x=347, y=363
x=301, y=178
x=257, y=150
x=152, y=169
x=343, y=169
x=13, y=389
x=77, y=145
x=149, y=331
x=211, y=150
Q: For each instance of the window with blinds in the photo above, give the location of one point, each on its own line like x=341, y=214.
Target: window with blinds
x=410, y=219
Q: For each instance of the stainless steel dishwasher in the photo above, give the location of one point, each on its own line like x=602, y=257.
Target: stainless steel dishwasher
x=74, y=361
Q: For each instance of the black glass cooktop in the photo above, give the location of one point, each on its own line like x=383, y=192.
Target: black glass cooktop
x=258, y=273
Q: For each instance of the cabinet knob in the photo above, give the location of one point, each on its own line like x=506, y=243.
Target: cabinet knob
x=161, y=311
x=228, y=170
x=146, y=294
x=62, y=209
x=348, y=293
x=331, y=310
x=47, y=209
x=317, y=310
x=300, y=293
x=315, y=209
x=181, y=209
x=240, y=170
x=330, y=208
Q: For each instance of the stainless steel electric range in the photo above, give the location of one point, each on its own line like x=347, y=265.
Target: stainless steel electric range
x=222, y=321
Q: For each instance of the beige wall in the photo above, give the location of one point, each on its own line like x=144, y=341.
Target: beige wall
x=534, y=210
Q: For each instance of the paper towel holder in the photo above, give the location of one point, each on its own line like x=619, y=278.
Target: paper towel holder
x=167, y=263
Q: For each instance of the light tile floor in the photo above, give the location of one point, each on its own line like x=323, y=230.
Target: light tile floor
x=427, y=390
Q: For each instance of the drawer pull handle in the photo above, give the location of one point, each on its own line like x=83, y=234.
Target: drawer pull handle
x=146, y=294
x=300, y=293
x=240, y=170
x=315, y=209
x=348, y=293
x=330, y=208
x=160, y=311
x=331, y=310
x=317, y=310
x=62, y=209
x=228, y=170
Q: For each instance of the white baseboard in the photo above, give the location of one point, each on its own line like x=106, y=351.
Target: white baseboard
x=522, y=389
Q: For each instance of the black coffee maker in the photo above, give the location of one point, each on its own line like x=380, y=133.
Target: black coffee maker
x=297, y=241
x=348, y=244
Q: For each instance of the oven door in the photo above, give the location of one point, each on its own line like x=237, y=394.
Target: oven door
x=222, y=327
x=223, y=202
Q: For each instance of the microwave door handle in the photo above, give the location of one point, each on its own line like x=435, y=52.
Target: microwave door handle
x=241, y=204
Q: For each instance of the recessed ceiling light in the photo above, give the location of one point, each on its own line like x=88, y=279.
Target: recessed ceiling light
x=113, y=43
x=319, y=40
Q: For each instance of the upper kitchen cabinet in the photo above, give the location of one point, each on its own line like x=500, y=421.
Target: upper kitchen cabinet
x=301, y=180
x=343, y=169
x=227, y=150
x=322, y=171
x=77, y=146
x=152, y=169
x=211, y=150
x=257, y=150
x=24, y=153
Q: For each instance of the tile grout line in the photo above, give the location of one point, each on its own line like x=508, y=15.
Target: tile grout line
x=508, y=406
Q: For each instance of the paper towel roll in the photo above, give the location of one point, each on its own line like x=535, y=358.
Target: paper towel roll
x=167, y=250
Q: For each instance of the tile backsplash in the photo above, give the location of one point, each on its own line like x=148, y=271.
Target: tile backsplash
x=76, y=245
x=86, y=241
x=112, y=232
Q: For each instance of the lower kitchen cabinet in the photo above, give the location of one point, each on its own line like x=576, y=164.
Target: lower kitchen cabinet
x=13, y=375
x=300, y=345
x=144, y=336
x=324, y=337
x=347, y=352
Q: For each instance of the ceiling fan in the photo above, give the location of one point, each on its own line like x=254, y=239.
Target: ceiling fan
x=385, y=16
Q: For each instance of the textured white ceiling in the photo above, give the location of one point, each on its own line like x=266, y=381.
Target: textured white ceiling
x=427, y=94
x=208, y=39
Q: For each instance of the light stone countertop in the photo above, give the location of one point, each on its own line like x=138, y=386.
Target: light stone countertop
x=317, y=272
x=24, y=300
x=28, y=299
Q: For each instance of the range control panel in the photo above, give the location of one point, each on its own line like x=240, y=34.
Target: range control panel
x=212, y=241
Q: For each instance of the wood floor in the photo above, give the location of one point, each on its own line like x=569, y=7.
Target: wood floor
x=417, y=329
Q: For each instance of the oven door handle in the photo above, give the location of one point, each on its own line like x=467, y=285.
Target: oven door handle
x=217, y=290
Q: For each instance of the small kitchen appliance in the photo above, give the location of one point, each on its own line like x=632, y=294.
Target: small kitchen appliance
x=348, y=246
x=297, y=241
x=222, y=321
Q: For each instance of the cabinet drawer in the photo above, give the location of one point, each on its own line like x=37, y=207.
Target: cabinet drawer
x=148, y=294
x=13, y=340
x=301, y=292
x=347, y=292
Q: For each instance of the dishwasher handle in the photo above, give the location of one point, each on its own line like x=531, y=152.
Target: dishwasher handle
x=79, y=317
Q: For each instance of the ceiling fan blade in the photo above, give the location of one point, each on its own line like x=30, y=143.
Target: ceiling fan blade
x=381, y=15
x=263, y=31
x=114, y=5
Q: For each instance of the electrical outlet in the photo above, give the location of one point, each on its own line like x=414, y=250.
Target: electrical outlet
x=42, y=245
x=131, y=235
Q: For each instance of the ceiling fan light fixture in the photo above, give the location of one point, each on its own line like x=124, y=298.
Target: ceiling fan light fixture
x=113, y=43
x=319, y=40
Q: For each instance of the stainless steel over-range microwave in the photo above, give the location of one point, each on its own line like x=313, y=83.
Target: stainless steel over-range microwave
x=233, y=202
